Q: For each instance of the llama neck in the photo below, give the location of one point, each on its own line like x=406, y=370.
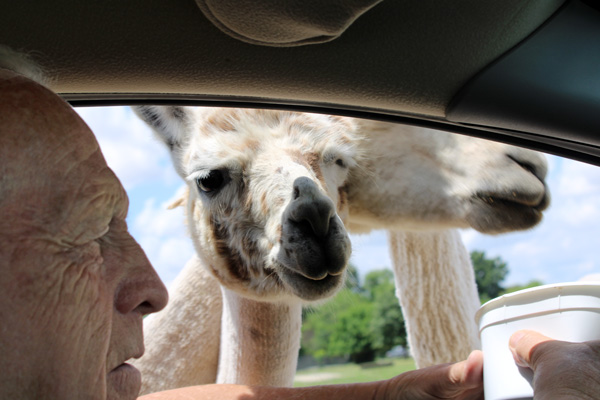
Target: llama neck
x=182, y=341
x=435, y=284
x=259, y=341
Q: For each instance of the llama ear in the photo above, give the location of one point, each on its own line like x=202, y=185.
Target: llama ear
x=171, y=123
x=177, y=203
x=180, y=198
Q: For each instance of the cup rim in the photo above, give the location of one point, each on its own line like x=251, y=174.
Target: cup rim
x=545, y=299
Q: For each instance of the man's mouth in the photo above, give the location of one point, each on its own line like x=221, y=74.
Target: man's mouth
x=125, y=381
x=122, y=366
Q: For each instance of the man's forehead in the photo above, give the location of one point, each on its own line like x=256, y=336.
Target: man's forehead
x=39, y=132
x=32, y=116
x=51, y=162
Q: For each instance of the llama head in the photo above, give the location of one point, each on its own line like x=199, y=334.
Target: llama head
x=421, y=179
x=266, y=195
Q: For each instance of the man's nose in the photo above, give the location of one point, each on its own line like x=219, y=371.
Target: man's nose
x=142, y=290
x=155, y=293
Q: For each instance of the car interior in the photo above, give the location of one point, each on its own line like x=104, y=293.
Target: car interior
x=519, y=71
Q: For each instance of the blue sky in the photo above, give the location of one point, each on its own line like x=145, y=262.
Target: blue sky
x=564, y=247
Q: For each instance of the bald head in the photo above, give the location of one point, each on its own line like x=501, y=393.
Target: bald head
x=74, y=284
x=35, y=121
x=46, y=150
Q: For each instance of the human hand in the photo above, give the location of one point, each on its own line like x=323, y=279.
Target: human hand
x=561, y=370
x=459, y=381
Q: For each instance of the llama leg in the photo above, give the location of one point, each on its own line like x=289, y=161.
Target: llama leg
x=182, y=341
x=435, y=284
x=259, y=341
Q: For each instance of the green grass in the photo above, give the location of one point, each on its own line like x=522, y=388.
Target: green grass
x=348, y=373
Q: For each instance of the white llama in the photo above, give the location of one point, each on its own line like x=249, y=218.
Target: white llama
x=267, y=191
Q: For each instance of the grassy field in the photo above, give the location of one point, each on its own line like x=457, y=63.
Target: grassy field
x=347, y=373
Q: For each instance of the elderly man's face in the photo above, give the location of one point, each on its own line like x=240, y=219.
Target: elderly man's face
x=74, y=285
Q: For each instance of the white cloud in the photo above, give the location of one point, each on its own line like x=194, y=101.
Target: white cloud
x=468, y=236
x=529, y=249
x=585, y=268
x=163, y=236
x=594, y=276
x=162, y=220
x=129, y=146
x=577, y=210
x=370, y=252
x=577, y=179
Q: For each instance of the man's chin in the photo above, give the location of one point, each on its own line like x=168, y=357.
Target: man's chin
x=123, y=383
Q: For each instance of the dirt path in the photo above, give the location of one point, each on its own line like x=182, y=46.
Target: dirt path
x=317, y=377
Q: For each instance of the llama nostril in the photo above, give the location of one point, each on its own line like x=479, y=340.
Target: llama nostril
x=525, y=165
x=312, y=219
x=311, y=210
x=530, y=161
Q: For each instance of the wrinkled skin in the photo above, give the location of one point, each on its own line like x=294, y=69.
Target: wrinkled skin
x=75, y=285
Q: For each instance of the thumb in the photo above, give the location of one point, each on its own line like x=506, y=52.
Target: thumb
x=469, y=373
x=521, y=345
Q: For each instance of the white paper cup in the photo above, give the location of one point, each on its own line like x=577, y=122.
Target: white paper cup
x=563, y=311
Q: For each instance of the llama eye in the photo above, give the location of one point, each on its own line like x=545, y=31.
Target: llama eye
x=212, y=182
x=340, y=162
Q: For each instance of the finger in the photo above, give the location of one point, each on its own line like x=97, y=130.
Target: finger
x=521, y=344
x=474, y=369
x=468, y=373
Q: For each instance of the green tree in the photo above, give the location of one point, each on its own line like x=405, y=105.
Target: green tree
x=388, y=322
x=376, y=281
x=353, y=335
x=359, y=323
x=340, y=328
x=489, y=274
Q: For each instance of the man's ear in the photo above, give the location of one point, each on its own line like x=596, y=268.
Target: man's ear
x=171, y=123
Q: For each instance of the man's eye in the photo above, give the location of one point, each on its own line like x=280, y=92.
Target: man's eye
x=212, y=182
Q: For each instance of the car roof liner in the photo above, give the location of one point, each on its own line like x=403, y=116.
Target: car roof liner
x=548, y=87
x=520, y=71
x=284, y=23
